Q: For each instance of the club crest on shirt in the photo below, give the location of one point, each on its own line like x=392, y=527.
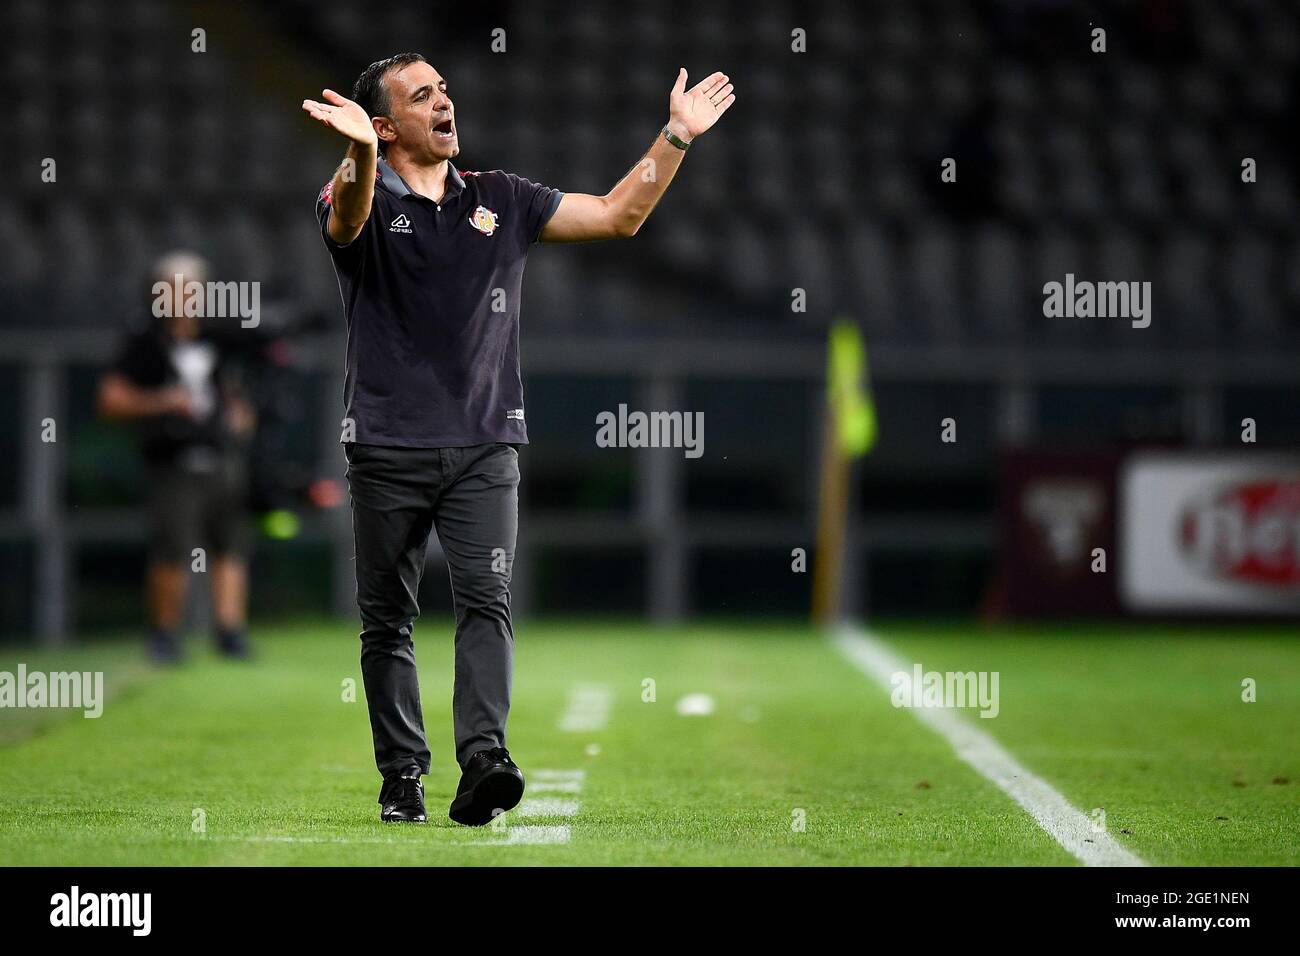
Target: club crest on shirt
x=484, y=220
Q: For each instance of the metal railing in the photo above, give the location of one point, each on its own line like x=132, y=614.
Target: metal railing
x=658, y=521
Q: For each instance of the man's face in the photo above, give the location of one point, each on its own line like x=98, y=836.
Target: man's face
x=422, y=113
x=178, y=272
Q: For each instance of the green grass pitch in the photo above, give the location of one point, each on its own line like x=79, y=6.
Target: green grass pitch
x=1146, y=723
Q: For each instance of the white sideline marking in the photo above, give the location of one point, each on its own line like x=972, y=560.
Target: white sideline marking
x=588, y=708
x=518, y=836
x=567, y=781
x=553, y=775
x=562, y=786
x=270, y=838
x=534, y=836
x=1066, y=825
x=548, y=807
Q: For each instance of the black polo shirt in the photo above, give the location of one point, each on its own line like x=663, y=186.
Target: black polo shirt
x=150, y=358
x=431, y=292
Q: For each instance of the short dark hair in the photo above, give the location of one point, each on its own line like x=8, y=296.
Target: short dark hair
x=369, y=91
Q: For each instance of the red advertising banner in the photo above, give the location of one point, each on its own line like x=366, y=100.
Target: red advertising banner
x=1217, y=533
x=1151, y=532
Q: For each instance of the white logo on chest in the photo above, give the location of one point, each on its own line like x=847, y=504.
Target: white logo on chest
x=401, y=224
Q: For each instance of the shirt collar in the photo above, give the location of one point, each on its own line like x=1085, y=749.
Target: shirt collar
x=396, y=185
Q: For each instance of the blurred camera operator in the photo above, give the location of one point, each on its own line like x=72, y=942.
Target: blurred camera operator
x=195, y=426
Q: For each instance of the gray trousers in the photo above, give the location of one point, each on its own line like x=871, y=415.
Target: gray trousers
x=471, y=497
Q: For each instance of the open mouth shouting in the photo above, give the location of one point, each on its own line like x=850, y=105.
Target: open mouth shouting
x=445, y=130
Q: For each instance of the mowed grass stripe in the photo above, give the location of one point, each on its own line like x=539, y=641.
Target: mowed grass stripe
x=793, y=729
x=1148, y=725
x=268, y=750
x=1081, y=836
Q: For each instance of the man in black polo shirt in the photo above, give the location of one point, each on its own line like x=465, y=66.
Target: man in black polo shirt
x=430, y=262
x=172, y=379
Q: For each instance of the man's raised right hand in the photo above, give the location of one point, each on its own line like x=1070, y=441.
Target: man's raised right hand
x=343, y=116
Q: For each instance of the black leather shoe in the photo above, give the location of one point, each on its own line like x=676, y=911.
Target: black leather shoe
x=491, y=784
x=402, y=799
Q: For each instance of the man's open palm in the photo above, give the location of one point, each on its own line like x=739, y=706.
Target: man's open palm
x=698, y=108
x=343, y=116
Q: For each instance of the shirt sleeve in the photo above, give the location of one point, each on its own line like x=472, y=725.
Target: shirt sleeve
x=136, y=364
x=345, y=255
x=537, y=202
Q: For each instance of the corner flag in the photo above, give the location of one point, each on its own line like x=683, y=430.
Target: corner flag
x=850, y=432
x=848, y=392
